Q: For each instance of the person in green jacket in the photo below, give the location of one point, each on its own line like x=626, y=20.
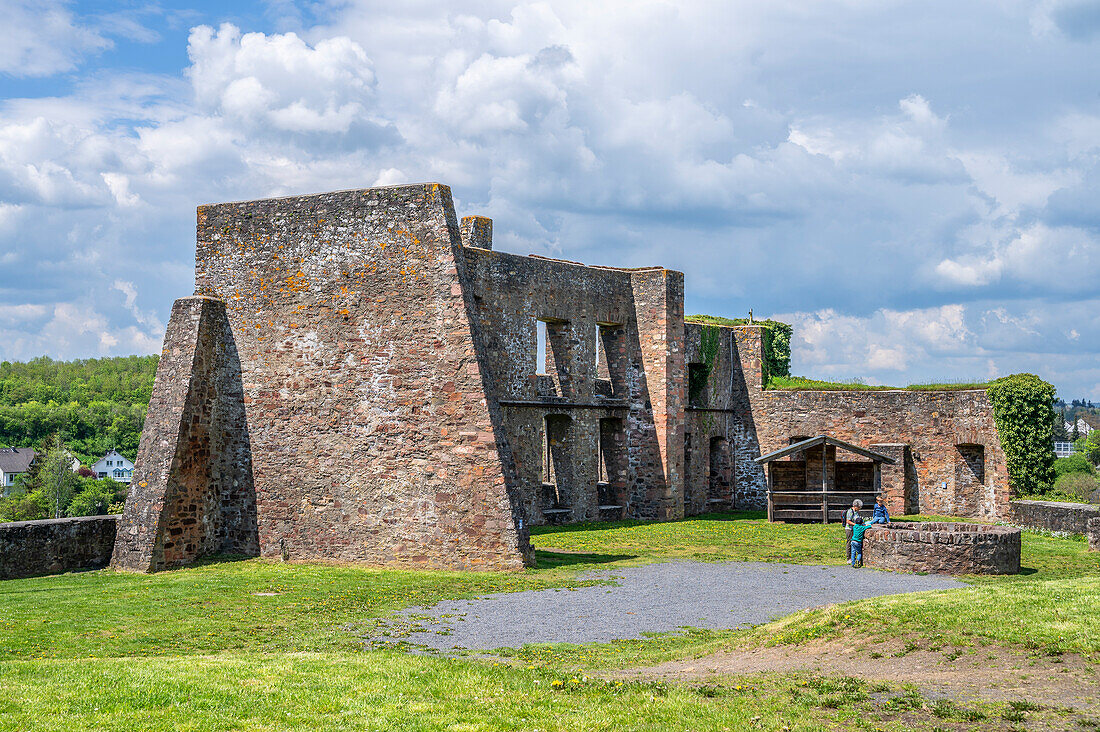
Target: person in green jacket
x=857, y=543
x=851, y=517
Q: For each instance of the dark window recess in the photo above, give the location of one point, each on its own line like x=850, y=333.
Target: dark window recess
x=557, y=473
x=697, y=385
x=720, y=487
x=610, y=485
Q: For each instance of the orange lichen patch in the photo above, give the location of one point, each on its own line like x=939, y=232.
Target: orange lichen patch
x=297, y=282
x=344, y=311
x=343, y=289
x=293, y=325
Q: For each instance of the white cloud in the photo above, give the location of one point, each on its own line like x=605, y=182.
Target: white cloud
x=279, y=81
x=791, y=157
x=41, y=37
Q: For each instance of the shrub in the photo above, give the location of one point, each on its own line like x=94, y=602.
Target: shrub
x=1081, y=487
x=95, y=498
x=1023, y=410
x=1077, y=463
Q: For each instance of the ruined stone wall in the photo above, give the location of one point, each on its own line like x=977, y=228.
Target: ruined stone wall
x=51, y=546
x=936, y=434
x=1072, y=518
x=720, y=419
x=589, y=406
x=371, y=437
x=192, y=493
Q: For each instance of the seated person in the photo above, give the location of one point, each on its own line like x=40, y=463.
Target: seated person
x=881, y=515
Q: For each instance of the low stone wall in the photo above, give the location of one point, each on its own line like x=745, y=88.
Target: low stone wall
x=1094, y=534
x=943, y=548
x=29, y=548
x=1069, y=517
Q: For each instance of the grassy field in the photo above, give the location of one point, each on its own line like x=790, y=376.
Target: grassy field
x=270, y=646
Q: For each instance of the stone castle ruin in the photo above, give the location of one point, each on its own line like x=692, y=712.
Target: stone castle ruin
x=361, y=377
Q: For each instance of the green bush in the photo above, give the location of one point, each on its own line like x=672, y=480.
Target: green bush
x=1080, y=487
x=1022, y=408
x=1077, y=463
x=95, y=497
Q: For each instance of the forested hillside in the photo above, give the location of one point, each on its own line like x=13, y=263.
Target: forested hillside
x=94, y=404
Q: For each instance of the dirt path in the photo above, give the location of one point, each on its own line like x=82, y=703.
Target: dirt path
x=982, y=674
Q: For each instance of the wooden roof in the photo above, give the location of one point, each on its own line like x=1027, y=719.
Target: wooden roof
x=824, y=440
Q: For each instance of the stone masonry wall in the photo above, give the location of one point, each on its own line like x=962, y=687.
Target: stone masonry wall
x=604, y=389
x=192, y=493
x=31, y=548
x=1072, y=518
x=941, y=430
x=721, y=419
x=371, y=436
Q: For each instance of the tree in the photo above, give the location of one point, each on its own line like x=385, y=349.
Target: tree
x=95, y=498
x=55, y=478
x=1060, y=433
x=1024, y=416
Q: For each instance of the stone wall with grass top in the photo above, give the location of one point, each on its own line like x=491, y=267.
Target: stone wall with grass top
x=31, y=548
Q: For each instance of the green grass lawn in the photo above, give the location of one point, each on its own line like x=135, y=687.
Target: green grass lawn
x=264, y=645
x=393, y=691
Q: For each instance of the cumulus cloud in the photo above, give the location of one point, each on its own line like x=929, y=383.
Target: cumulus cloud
x=281, y=82
x=937, y=216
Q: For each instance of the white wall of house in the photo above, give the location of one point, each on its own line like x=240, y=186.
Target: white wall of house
x=114, y=466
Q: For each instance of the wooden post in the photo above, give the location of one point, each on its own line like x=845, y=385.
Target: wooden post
x=771, y=512
x=877, y=484
x=824, y=483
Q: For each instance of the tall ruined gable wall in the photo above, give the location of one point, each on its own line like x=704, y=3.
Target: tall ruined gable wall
x=510, y=294
x=931, y=433
x=371, y=437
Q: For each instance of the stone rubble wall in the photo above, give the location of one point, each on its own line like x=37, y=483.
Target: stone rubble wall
x=1072, y=518
x=371, y=436
x=723, y=419
x=934, y=435
x=1093, y=533
x=31, y=548
x=627, y=395
x=192, y=493
x=943, y=548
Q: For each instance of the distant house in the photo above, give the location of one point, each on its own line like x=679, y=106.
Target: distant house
x=114, y=466
x=1084, y=427
x=14, y=461
x=1063, y=449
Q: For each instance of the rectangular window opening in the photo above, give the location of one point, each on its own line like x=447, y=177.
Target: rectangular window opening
x=540, y=347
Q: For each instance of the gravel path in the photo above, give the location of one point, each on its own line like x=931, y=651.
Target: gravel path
x=653, y=597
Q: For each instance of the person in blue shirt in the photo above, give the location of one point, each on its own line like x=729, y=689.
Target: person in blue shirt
x=881, y=515
x=858, y=530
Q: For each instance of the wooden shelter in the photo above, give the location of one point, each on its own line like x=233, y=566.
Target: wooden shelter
x=812, y=485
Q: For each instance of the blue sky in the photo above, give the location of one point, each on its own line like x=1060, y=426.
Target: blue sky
x=913, y=185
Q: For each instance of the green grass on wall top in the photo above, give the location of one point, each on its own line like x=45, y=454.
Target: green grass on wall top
x=801, y=383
